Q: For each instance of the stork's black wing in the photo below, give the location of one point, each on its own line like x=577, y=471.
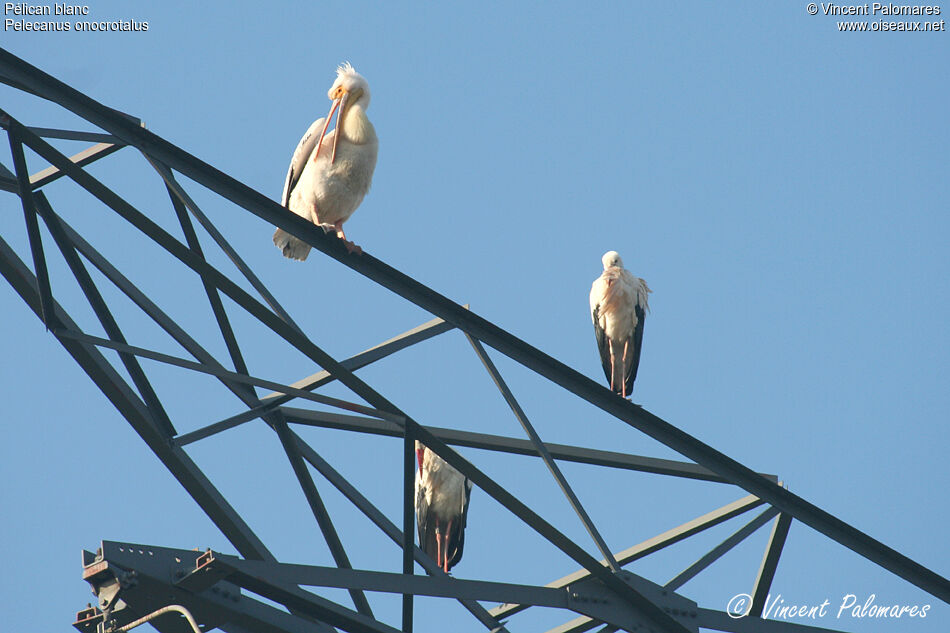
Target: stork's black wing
x=602, y=345
x=456, y=540
x=425, y=522
x=637, y=343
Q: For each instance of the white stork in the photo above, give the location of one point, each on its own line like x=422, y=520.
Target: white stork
x=442, y=495
x=330, y=173
x=618, y=306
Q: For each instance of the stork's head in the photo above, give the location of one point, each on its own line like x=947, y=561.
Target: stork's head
x=611, y=259
x=420, y=454
x=349, y=87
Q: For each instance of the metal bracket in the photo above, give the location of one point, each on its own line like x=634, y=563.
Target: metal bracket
x=591, y=598
x=140, y=579
x=204, y=576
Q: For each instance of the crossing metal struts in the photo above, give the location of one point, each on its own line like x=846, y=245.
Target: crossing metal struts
x=132, y=581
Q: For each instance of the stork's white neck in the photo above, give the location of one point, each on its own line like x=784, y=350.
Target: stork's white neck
x=356, y=126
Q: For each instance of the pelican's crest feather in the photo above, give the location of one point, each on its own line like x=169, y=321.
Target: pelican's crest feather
x=346, y=68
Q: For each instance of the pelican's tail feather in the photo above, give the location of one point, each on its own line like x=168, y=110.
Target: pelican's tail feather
x=290, y=246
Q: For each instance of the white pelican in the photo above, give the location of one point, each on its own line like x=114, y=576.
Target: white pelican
x=618, y=306
x=442, y=495
x=330, y=173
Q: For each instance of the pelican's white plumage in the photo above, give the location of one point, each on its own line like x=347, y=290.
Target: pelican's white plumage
x=330, y=173
x=618, y=306
x=442, y=496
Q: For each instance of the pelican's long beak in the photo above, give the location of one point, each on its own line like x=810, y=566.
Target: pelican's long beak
x=323, y=133
x=339, y=122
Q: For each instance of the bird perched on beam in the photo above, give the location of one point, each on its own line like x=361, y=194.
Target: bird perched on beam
x=618, y=306
x=330, y=173
x=442, y=495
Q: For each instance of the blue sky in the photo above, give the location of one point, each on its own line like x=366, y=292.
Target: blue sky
x=780, y=185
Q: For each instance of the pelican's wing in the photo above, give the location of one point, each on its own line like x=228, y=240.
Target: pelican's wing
x=596, y=296
x=304, y=149
x=457, y=543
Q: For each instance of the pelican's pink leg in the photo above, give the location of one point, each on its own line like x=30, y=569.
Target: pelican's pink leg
x=350, y=246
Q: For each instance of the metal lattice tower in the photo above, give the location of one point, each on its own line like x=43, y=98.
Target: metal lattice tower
x=132, y=581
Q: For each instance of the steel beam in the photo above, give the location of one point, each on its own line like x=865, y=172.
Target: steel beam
x=75, y=135
x=223, y=425
x=310, y=491
x=101, y=309
x=418, y=334
x=268, y=318
x=275, y=399
x=544, y=453
x=589, y=597
x=511, y=445
x=408, y=522
x=773, y=551
x=83, y=158
x=389, y=528
x=151, y=572
x=32, y=227
x=8, y=181
x=722, y=621
x=229, y=377
x=214, y=298
x=20, y=73
x=444, y=586
x=577, y=625
x=133, y=410
x=319, y=511
x=313, y=498
x=714, y=554
x=298, y=600
x=626, y=593
x=651, y=425
x=182, y=196
x=246, y=392
x=650, y=546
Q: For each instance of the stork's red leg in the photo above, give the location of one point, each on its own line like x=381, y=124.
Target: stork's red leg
x=623, y=364
x=610, y=347
x=440, y=550
x=445, y=553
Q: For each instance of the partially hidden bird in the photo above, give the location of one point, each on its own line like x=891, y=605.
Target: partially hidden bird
x=330, y=173
x=618, y=307
x=442, y=496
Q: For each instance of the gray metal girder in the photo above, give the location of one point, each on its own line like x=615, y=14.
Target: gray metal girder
x=133, y=580
x=21, y=74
